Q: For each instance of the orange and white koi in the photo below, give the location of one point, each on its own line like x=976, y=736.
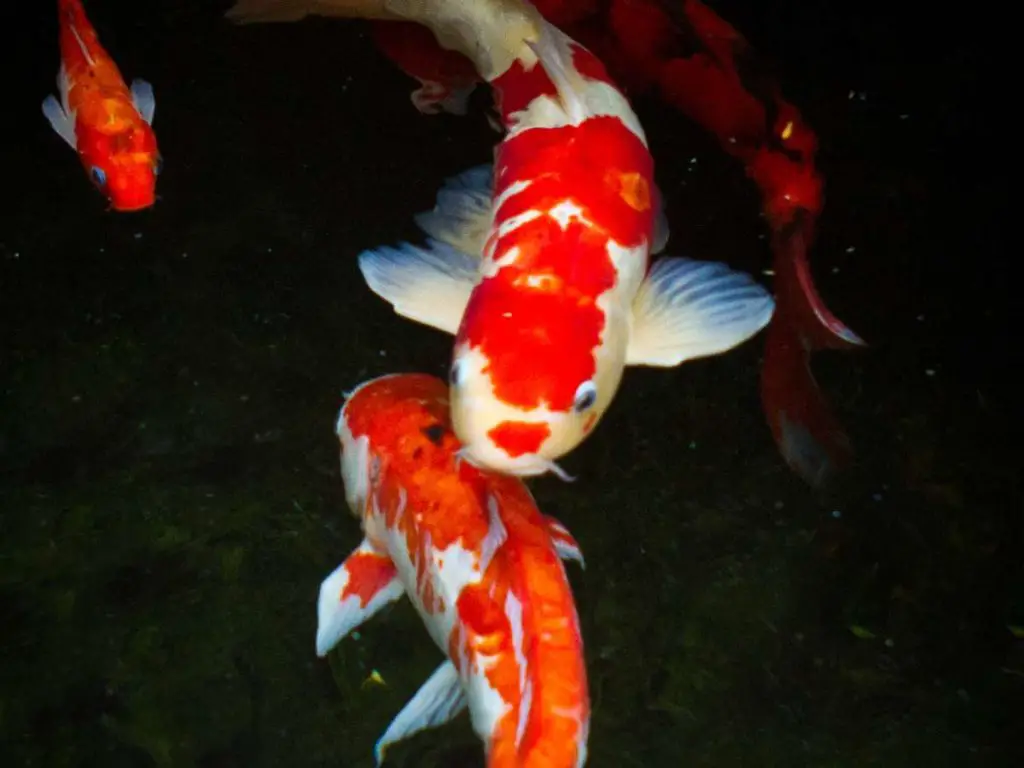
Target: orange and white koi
x=541, y=267
x=482, y=567
x=107, y=123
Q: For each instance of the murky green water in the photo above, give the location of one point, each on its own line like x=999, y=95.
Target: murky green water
x=170, y=496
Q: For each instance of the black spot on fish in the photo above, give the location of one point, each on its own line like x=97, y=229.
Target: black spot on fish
x=434, y=433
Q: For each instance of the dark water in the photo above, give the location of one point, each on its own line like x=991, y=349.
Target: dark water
x=170, y=496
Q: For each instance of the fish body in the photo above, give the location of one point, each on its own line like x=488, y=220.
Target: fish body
x=480, y=564
x=540, y=266
x=104, y=120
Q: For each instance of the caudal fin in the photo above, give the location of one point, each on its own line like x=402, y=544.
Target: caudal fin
x=808, y=435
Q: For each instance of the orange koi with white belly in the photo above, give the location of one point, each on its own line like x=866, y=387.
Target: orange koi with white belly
x=107, y=123
x=482, y=567
x=541, y=267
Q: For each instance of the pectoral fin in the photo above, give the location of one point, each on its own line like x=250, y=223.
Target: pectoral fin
x=355, y=591
x=145, y=101
x=687, y=309
x=565, y=543
x=438, y=701
x=463, y=213
x=430, y=285
x=59, y=120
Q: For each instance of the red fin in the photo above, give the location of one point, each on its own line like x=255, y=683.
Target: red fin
x=719, y=84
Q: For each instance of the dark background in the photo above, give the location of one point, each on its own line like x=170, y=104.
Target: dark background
x=169, y=492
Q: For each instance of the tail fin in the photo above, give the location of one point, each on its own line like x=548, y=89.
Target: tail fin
x=811, y=440
x=262, y=11
x=714, y=77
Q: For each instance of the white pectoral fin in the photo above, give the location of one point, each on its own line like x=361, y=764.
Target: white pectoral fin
x=438, y=701
x=463, y=212
x=687, y=309
x=59, y=120
x=431, y=285
x=145, y=101
x=356, y=590
x=565, y=543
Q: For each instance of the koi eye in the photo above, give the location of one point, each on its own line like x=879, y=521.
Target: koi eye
x=99, y=176
x=158, y=164
x=586, y=396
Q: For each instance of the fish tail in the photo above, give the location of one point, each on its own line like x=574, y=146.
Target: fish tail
x=711, y=74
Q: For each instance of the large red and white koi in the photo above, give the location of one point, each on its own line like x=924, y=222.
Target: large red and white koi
x=481, y=565
x=697, y=62
x=540, y=268
x=107, y=123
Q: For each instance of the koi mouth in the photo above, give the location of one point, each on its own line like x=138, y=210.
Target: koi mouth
x=524, y=465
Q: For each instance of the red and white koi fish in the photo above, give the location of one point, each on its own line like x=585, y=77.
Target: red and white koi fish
x=541, y=268
x=105, y=121
x=697, y=62
x=481, y=565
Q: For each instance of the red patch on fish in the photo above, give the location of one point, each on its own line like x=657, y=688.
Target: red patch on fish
x=515, y=88
x=518, y=438
x=539, y=314
x=368, y=575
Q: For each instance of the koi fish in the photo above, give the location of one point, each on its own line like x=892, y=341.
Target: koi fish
x=482, y=567
x=107, y=123
x=696, y=61
x=540, y=268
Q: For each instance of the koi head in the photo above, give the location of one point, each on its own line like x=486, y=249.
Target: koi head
x=123, y=165
x=381, y=411
x=532, y=391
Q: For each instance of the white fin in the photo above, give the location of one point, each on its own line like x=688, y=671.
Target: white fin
x=552, y=50
x=661, y=231
x=429, y=285
x=145, y=101
x=497, y=534
x=463, y=212
x=59, y=120
x=437, y=702
x=339, y=613
x=565, y=544
x=687, y=309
